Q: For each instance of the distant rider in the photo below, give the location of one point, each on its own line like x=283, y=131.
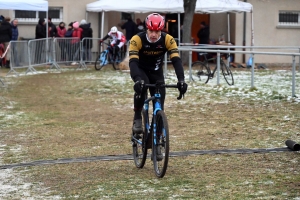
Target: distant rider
x=118, y=40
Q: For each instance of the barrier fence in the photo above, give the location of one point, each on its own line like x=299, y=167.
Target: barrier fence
x=252, y=53
x=56, y=52
x=72, y=51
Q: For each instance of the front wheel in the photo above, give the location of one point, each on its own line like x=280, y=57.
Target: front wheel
x=200, y=72
x=100, y=60
x=227, y=74
x=139, y=143
x=160, y=145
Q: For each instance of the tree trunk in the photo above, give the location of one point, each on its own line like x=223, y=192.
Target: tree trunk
x=189, y=10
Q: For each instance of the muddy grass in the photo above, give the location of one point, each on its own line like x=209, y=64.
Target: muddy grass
x=89, y=113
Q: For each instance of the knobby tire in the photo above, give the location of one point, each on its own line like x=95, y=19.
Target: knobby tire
x=227, y=74
x=162, y=142
x=140, y=150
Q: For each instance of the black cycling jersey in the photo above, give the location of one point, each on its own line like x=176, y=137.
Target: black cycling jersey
x=149, y=56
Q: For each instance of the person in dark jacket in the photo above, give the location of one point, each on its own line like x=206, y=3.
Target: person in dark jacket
x=40, y=33
x=203, y=35
x=140, y=26
x=5, y=38
x=14, y=28
x=130, y=28
x=51, y=28
x=40, y=29
x=87, y=33
x=15, y=36
x=69, y=34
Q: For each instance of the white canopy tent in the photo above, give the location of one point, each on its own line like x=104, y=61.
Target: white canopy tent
x=170, y=6
x=30, y=5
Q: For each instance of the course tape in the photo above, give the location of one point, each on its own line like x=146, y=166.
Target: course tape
x=130, y=157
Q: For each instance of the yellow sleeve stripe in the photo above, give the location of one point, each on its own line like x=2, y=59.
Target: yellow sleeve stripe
x=171, y=46
x=135, y=46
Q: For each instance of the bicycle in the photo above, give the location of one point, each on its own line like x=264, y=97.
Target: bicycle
x=106, y=57
x=202, y=72
x=154, y=136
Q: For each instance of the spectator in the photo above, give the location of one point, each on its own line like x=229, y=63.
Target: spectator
x=15, y=36
x=75, y=42
x=15, y=31
x=130, y=28
x=40, y=29
x=139, y=25
x=69, y=34
x=52, y=31
x=61, y=31
x=87, y=32
x=5, y=38
x=203, y=35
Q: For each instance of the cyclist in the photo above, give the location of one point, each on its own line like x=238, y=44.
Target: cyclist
x=118, y=40
x=146, y=54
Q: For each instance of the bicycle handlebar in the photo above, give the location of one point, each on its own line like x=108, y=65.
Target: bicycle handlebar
x=161, y=85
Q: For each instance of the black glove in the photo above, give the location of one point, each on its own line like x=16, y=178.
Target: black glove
x=138, y=87
x=182, y=87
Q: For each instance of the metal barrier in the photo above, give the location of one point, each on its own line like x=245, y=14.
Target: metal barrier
x=66, y=51
x=252, y=53
x=55, y=52
x=19, y=58
x=39, y=52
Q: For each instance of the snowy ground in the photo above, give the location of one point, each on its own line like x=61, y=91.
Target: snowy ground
x=271, y=85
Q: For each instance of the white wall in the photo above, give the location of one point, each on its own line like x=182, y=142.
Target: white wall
x=267, y=32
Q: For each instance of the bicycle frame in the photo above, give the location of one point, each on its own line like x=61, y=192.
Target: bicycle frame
x=157, y=107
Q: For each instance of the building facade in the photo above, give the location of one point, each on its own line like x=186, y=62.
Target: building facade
x=276, y=23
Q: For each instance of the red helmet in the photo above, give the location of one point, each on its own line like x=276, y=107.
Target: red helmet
x=155, y=22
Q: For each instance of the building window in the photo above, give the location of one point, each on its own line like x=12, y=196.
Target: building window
x=289, y=18
x=56, y=13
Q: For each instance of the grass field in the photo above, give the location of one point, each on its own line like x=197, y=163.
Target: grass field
x=86, y=113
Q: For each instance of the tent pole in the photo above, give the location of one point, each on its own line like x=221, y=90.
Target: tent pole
x=228, y=29
x=228, y=32
x=102, y=26
x=179, y=36
x=252, y=29
x=47, y=41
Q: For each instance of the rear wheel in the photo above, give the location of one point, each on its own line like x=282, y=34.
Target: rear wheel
x=160, y=145
x=200, y=72
x=227, y=73
x=115, y=62
x=100, y=60
x=139, y=143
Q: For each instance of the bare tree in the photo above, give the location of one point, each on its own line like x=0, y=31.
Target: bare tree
x=189, y=10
